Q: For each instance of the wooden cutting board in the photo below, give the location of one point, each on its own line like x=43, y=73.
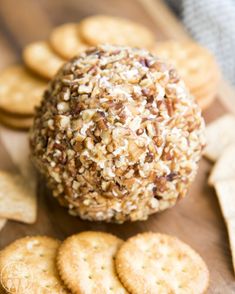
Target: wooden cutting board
x=197, y=219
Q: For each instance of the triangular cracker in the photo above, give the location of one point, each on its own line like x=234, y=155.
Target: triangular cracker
x=219, y=134
x=224, y=169
x=226, y=194
x=225, y=191
x=17, y=198
x=231, y=234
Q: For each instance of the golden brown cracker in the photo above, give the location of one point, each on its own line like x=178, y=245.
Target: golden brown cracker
x=66, y=41
x=205, y=101
x=157, y=263
x=42, y=60
x=102, y=29
x=86, y=265
x=195, y=63
x=28, y=266
x=17, y=123
x=17, y=198
x=20, y=91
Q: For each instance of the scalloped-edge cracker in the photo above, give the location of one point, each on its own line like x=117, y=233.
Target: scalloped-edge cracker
x=158, y=263
x=28, y=266
x=16, y=123
x=86, y=263
x=66, y=40
x=17, y=198
x=20, y=91
x=104, y=29
x=42, y=60
x=219, y=134
x=224, y=168
x=225, y=191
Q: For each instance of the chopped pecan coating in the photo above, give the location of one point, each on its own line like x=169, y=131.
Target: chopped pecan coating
x=117, y=135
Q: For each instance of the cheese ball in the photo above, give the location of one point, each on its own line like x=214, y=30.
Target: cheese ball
x=117, y=135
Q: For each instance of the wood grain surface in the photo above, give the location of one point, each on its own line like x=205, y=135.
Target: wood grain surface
x=197, y=219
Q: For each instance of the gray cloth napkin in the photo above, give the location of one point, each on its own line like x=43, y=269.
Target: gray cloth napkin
x=211, y=23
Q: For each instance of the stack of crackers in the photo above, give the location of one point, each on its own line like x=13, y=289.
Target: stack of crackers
x=220, y=149
x=21, y=87
x=97, y=262
x=197, y=67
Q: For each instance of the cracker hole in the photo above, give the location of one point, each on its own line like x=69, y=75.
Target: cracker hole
x=143, y=267
x=84, y=259
x=111, y=288
x=41, y=255
x=90, y=277
x=102, y=267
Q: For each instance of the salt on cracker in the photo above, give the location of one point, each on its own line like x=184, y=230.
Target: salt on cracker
x=219, y=134
x=41, y=59
x=86, y=265
x=17, y=123
x=66, y=40
x=102, y=29
x=225, y=191
x=17, y=198
x=157, y=263
x=31, y=262
x=20, y=91
x=224, y=168
x=2, y=223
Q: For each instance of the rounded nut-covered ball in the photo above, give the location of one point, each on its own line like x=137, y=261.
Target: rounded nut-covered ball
x=117, y=135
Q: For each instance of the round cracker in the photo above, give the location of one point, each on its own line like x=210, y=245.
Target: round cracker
x=28, y=266
x=18, y=123
x=157, y=263
x=20, y=91
x=205, y=97
x=66, y=41
x=42, y=60
x=86, y=263
x=206, y=101
x=195, y=63
x=101, y=29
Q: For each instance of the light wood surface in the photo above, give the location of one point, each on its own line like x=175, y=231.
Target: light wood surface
x=197, y=219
